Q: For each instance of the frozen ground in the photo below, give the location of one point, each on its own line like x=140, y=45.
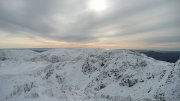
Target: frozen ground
x=86, y=75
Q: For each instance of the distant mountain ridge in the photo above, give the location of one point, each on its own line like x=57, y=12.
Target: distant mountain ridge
x=168, y=56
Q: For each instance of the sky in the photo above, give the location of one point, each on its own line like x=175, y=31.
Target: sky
x=125, y=24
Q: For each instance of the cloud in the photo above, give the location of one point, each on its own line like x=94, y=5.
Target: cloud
x=24, y=15
x=71, y=21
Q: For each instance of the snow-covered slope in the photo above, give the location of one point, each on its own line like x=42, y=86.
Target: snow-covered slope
x=86, y=75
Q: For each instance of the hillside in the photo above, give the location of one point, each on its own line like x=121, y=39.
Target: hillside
x=86, y=75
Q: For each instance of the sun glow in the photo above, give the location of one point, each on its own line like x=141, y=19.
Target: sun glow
x=97, y=5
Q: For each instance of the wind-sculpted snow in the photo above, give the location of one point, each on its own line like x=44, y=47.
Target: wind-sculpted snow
x=86, y=75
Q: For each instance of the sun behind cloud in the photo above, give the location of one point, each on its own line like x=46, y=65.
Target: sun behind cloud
x=97, y=5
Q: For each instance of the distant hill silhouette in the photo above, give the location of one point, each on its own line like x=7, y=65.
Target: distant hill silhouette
x=168, y=56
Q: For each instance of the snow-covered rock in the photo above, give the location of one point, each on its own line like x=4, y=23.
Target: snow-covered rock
x=86, y=75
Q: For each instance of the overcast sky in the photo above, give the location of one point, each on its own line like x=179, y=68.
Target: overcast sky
x=134, y=24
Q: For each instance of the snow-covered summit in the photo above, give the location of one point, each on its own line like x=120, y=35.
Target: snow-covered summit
x=86, y=75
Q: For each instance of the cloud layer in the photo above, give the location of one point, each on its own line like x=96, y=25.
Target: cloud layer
x=134, y=21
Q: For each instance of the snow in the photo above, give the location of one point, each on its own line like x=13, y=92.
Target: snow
x=86, y=75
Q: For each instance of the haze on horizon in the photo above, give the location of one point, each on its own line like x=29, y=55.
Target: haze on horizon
x=131, y=24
